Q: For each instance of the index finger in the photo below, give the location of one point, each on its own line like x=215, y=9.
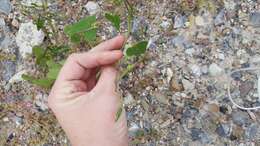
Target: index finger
x=112, y=44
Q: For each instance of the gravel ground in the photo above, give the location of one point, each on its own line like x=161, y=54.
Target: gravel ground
x=176, y=96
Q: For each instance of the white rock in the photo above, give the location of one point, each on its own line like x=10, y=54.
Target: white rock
x=92, y=8
x=30, y=2
x=190, y=51
x=5, y=119
x=41, y=101
x=165, y=24
x=2, y=22
x=17, y=77
x=187, y=84
x=215, y=70
x=200, y=21
x=196, y=70
x=28, y=36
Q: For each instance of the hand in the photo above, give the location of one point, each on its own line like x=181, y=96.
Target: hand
x=86, y=108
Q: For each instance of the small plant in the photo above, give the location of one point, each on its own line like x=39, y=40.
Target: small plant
x=83, y=31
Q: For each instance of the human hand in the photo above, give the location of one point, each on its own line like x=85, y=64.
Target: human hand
x=86, y=108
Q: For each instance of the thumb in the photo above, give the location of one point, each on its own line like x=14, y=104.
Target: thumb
x=106, y=82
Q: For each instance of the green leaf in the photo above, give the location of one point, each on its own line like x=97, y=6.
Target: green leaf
x=39, y=53
x=118, y=2
x=80, y=26
x=90, y=35
x=45, y=82
x=40, y=23
x=119, y=113
x=54, y=69
x=137, y=49
x=53, y=73
x=114, y=19
x=75, y=38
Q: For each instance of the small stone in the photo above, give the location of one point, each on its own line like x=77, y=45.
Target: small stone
x=240, y=118
x=214, y=108
x=128, y=99
x=255, y=19
x=190, y=51
x=223, y=130
x=237, y=132
x=187, y=84
x=5, y=119
x=165, y=24
x=133, y=129
x=215, y=70
x=15, y=23
x=199, y=20
x=30, y=2
x=17, y=77
x=220, y=18
x=161, y=98
x=204, y=69
x=5, y=6
x=179, y=21
x=28, y=36
x=2, y=22
x=176, y=85
x=196, y=70
x=92, y=8
x=251, y=131
x=236, y=76
x=245, y=88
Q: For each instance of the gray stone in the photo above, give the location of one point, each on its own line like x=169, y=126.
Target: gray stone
x=251, y=131
x=7, y=70
x=92, y=8
x=220, y=18
x=215, y=70
x=245, y=88
x=199, y=135
x=187, y=84
x=133, y=130
x=5, y=6
x=223, y=130
x=179, y=21
x=255, y=19
x=240, y=118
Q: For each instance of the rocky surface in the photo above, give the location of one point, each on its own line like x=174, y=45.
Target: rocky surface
x=176, y=96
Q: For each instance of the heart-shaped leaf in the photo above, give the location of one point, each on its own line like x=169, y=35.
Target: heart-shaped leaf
x=137, y=49
x=114, y=19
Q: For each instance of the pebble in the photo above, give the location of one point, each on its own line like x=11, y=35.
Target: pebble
x=245, y=88
x=30, y=2
x=5, y=6
x=251, y=131
x=196, y=70
x=2, y=22
x=133, y=129
x=176, y=85
x=179, y=21
x=255, y=19
x=27, y=37
x=5, y=119
x=199, y=20
x=92, y=8
x=215, y=70
x=223, y=130
x=187, y=84
x=220, y=18
x=240, y=118
x=165, y=24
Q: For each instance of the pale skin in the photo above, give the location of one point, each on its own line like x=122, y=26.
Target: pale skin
x=86, y=106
